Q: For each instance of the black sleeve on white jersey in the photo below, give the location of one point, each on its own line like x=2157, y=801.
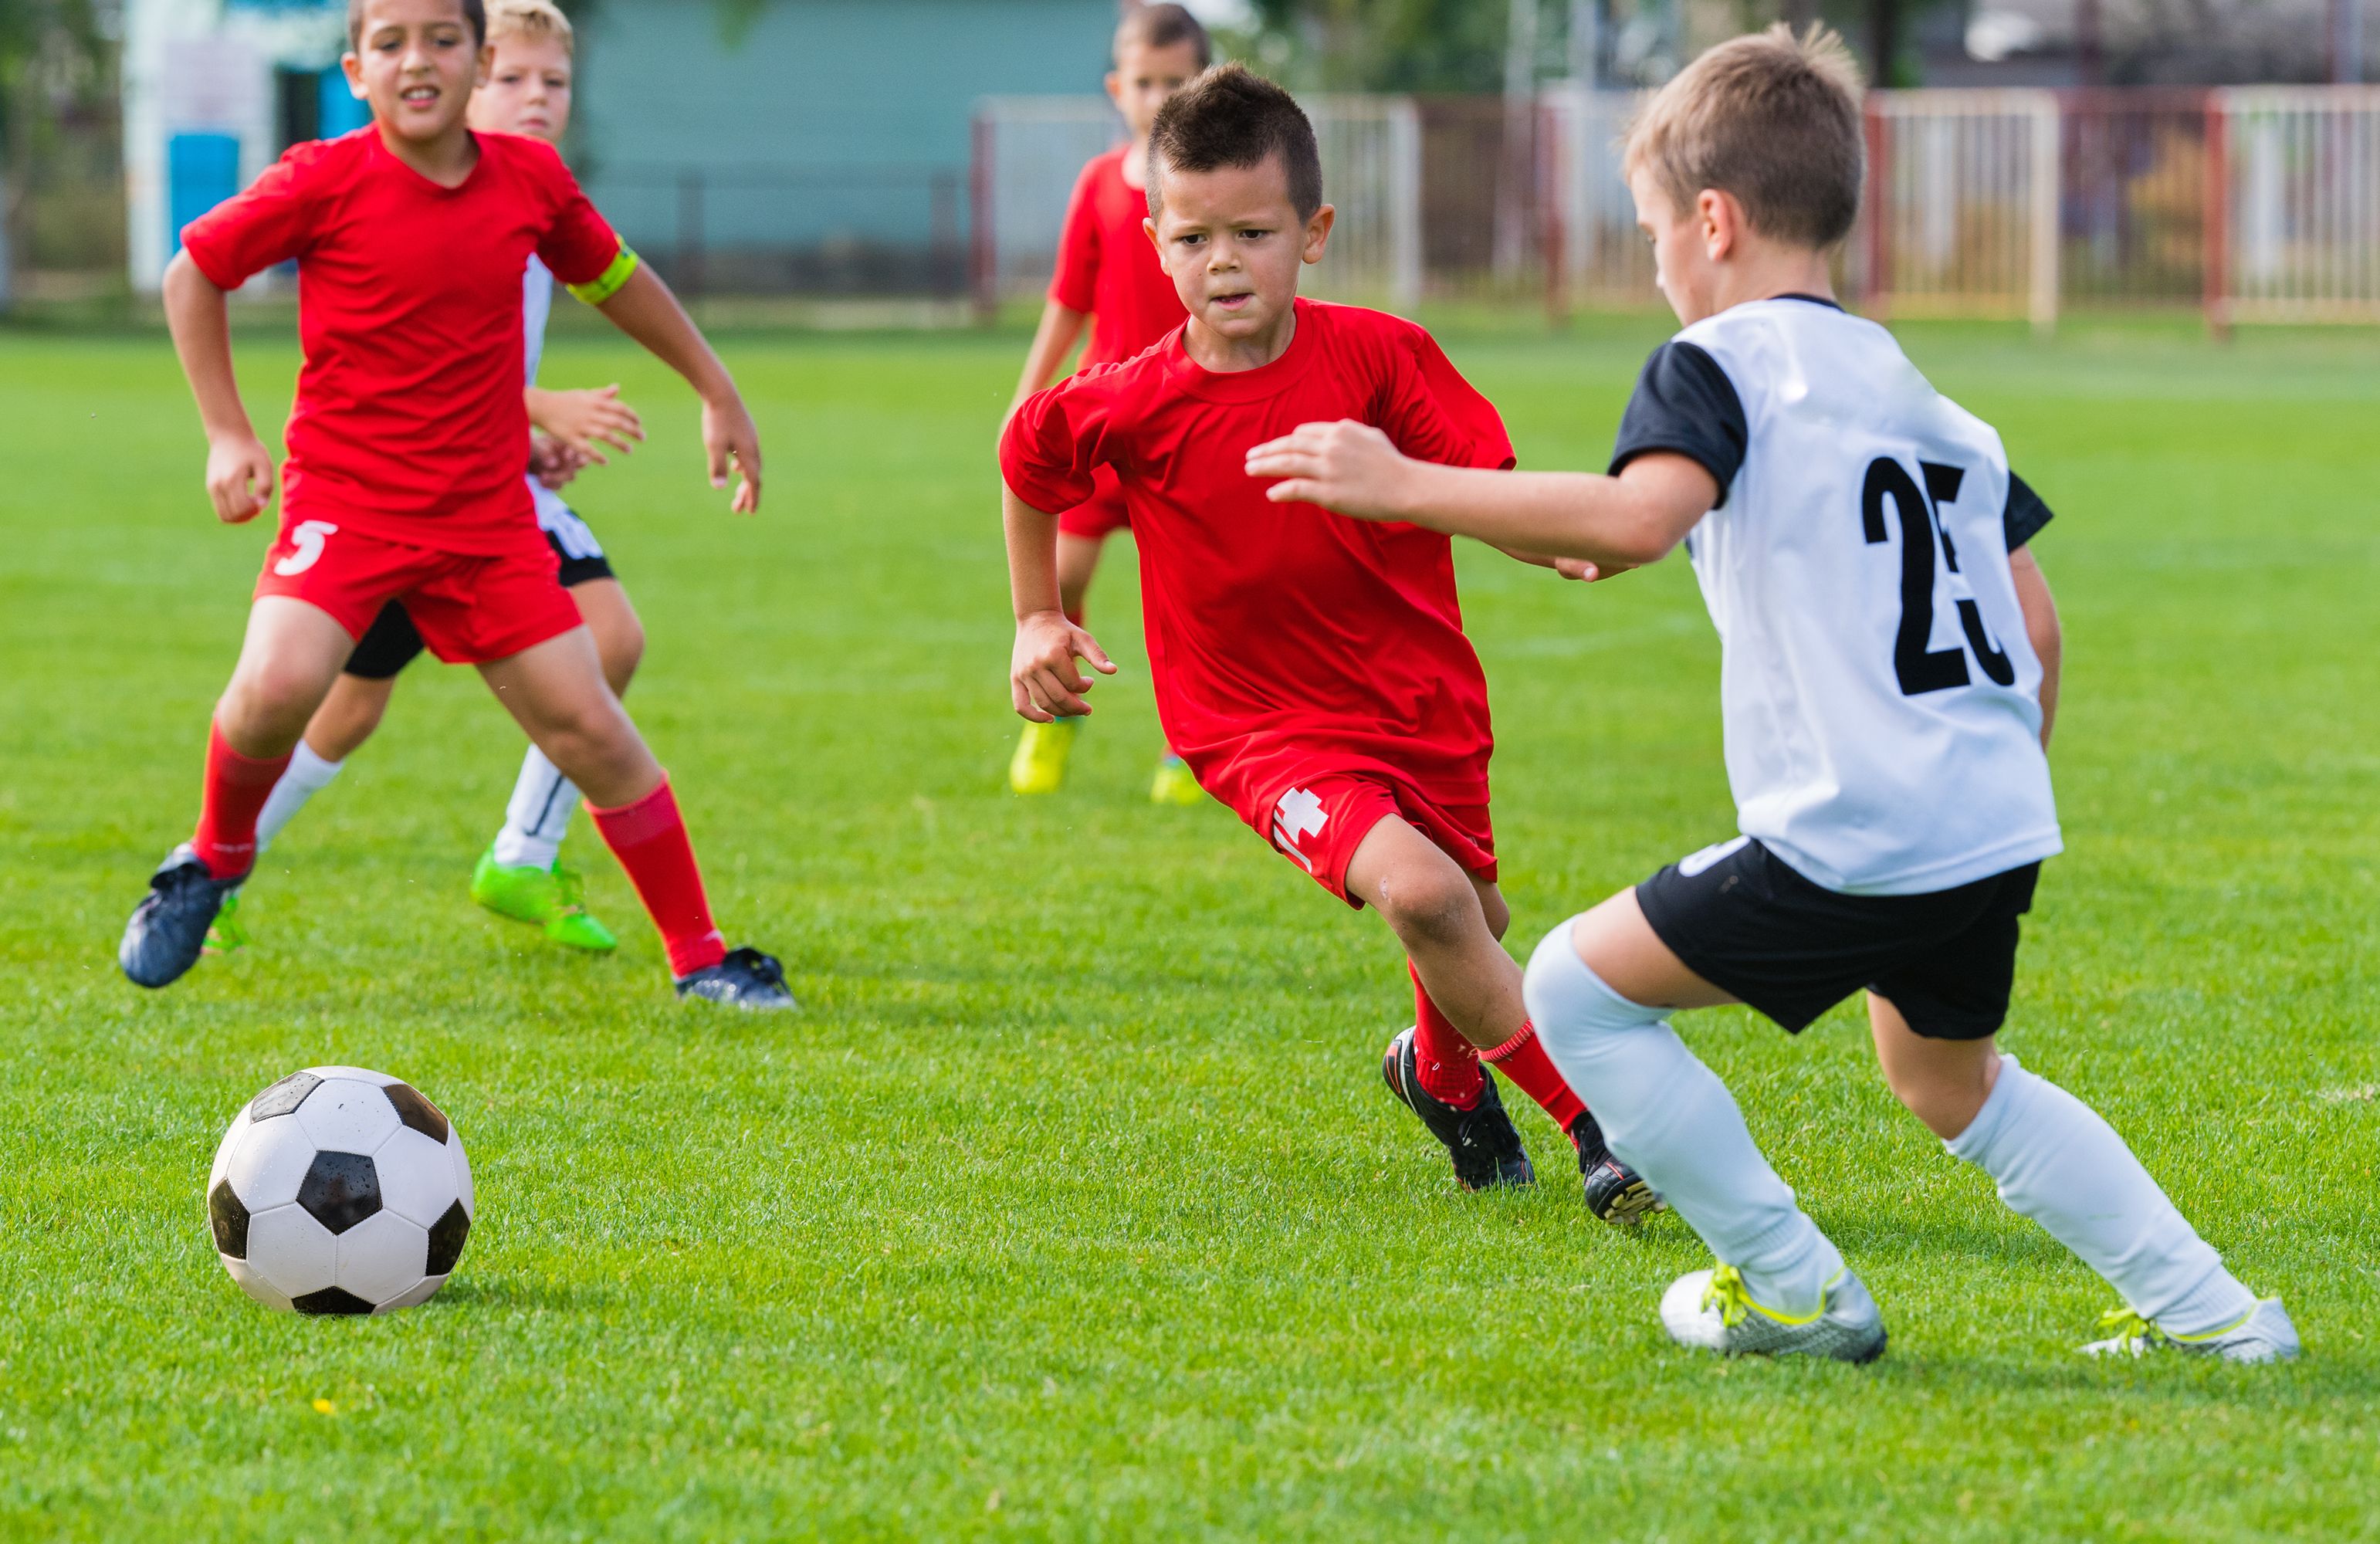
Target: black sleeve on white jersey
x=1685, y=403
x=2025, y=513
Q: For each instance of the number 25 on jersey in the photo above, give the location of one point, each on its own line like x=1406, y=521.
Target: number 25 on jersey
x=1921, y=667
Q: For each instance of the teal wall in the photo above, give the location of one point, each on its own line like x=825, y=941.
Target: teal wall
x=822, y=122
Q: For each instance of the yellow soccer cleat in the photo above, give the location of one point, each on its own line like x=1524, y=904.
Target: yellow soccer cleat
x=1040, y=765
x=1174, y=783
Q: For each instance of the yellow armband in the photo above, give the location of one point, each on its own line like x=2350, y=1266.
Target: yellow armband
x=607, y=283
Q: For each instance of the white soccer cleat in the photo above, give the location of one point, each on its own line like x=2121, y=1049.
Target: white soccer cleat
x=2265, y=1335
x=1712, y=1310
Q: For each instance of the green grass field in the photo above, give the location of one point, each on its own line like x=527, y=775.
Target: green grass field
x=1072, y=1205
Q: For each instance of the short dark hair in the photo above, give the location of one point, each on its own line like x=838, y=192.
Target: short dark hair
x=474, y=11
x=1772, y=117
x=1233, y=116
x=1162, y=27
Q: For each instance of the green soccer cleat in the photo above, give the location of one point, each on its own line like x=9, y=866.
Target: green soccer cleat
x=1040, y=765
x=2264, y=1335
x=547, y=898
x=225, y=935
x=1711, y=1310
x=1174, y=783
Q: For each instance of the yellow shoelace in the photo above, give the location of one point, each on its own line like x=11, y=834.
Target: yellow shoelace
x=2123, y=1323
x=1727, y=1294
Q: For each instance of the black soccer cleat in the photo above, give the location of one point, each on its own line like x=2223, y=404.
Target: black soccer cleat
x=1486, y=1150
x=746, y=978
x=1614, y=1191
x=168, y=929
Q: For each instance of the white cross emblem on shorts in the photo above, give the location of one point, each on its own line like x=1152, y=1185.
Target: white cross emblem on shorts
x=1300, y=814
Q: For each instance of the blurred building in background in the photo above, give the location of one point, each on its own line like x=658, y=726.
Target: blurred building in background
x=2027, y=156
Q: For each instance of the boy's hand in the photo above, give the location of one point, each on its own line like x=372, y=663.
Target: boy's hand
x=1585, y=572
x=1042, y=680
x=239, y=477
x=1348, y=466
x=588, y=421
x=554, y=464
x=730, y=439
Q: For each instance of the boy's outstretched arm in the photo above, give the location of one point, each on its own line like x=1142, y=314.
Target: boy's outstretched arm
x=644, y=309
x=585, y=419
x=1060, y=329
x=239, y=470
x=1607, y=524
x=2040, y=627
x=1043, y=683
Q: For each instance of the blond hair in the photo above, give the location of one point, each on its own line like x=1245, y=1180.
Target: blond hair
x=533, y=20
x=1770, y=117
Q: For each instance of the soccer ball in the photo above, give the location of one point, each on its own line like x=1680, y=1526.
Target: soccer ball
x=340, y=1191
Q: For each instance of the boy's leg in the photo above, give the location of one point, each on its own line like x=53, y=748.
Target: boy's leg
x=346, y=720
x=292, y=653
x=1600, y=989
x=1467, y=1001
x=538, y=812
x=558, y=692
x=2058, y=1162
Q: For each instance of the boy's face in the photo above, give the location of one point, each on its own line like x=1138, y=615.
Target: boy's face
x=1231, y=241
x=527, y=90
x=1144, y=76
x=1684, y=265
x=416, y=62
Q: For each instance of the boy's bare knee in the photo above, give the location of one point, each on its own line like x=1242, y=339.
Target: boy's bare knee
x=1433, y=908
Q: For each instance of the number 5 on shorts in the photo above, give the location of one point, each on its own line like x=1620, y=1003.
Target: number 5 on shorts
x=307, y=541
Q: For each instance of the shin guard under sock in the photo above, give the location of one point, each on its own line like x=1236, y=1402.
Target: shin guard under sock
x=649, y=838
x=1670, y=1118
x=236, y=788
x=2058, y=1162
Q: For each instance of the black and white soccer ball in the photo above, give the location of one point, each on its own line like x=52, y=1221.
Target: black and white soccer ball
x=340, y=1191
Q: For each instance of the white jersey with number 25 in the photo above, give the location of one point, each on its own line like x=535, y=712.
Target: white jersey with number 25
x=1882, y=701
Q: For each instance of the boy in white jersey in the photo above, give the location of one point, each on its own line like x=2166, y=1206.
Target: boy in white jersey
x=528, y=90
x=1889, y=666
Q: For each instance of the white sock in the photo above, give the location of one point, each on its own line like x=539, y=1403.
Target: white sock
x=1670, y=1119
x=2061, y=1164
x=537, y=815
x=306, y=775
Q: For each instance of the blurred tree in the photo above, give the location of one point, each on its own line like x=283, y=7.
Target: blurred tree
x=57, y=61
x=1378, y=46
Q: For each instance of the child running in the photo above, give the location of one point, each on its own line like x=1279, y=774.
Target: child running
x=406, y=448
x=528, y=90
x=1312, y=670
x=1888, y=679
x=1108, y=276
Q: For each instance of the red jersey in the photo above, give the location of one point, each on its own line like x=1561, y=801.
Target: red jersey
x=1108, y=267
x=1281, y=631
x=409, y=423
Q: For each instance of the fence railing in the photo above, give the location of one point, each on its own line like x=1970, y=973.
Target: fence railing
x=854, y=230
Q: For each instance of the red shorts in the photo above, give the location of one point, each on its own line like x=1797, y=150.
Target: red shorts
x=470, y=609
x=1320, y=820
x=1102, y=514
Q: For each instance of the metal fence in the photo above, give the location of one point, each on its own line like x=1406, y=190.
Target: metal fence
x=814, y=230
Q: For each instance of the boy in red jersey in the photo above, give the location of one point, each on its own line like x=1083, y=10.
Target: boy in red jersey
x=1108, y=277
x=406, y=449
x=1312, y=669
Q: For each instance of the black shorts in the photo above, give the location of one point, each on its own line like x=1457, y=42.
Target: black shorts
x=391, y=642
x=1745, y=921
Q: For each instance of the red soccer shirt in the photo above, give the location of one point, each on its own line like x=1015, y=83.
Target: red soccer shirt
x=409, y=423
x=1108, y=267
x=1281, y=636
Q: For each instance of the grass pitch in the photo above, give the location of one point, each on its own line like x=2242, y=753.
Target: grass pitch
x=1072, y=1206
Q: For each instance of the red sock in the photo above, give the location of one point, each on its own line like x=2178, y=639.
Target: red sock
x=1448, y=1063
x=1524, y=1061
x=236, y=788
x=649, y=838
